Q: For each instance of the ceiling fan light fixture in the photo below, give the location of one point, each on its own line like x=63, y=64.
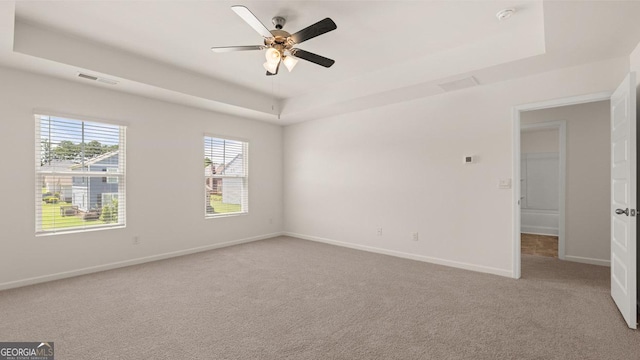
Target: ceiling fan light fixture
x=290, y=62
x=271, y=67
x=273, y=56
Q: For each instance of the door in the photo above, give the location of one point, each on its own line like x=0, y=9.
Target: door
x=623, y=199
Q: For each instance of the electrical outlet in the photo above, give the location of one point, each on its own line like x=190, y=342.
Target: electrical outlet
x=414, y=236
x=136, y=240
x=379, y=231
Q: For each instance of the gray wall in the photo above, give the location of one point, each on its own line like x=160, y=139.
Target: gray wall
x=164, y=207
x=400, y=168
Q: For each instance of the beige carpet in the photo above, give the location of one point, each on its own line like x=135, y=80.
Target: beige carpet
x=293, y=299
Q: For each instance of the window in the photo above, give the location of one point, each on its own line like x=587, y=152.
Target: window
x=72, y=193
x=111, y=180
x=225, y=176
x=109, y=198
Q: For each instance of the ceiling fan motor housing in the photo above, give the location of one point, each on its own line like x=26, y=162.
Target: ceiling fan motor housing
x=280, y=41
x=278, y=22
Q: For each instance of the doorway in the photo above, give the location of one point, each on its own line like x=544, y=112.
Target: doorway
x=520, y=113
x=565, y=164
x=542, y=185
x=622, y=205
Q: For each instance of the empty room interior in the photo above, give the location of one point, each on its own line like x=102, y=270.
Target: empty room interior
x=319, y=179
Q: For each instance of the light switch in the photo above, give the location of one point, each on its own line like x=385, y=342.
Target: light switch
x=504, y=184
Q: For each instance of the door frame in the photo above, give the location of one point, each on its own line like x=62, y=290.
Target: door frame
x=515, y=151
x=561, y=126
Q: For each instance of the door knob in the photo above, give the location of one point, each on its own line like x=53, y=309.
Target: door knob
x=620, y=211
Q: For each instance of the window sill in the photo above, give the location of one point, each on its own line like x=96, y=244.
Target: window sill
x=78, y=230
x=218, y=216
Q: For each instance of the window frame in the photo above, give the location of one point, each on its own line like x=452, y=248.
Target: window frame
x=86, y=176
x=244, y=203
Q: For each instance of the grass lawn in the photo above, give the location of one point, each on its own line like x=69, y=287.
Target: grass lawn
x=51, y=218
x=222, y=208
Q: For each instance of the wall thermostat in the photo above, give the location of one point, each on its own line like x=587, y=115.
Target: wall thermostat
x=468, y=159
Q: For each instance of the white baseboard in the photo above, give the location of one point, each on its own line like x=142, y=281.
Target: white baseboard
x=587, y=260
x=115, y=265
x=429, y=259
x=539, y=230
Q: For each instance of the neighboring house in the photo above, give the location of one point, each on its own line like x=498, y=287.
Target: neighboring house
x=58, y=184
x=230, y=188
x=213, y=185
x=94, y=192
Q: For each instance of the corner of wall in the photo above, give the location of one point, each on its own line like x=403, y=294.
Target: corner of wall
x=634, y=60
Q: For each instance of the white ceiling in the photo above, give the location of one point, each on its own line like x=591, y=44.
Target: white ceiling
x=385, y=51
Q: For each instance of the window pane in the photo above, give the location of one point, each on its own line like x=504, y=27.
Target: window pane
x=112, y=179
x=63, y=141
x=224, y=195
x=77, y=201
x=223, y=157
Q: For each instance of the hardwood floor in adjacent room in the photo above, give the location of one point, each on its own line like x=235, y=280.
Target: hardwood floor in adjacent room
x=541, y=245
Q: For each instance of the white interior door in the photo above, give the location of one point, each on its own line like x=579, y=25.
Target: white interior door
x=623, y=199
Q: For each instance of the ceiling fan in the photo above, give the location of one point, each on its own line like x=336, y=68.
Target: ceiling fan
x=279, y=43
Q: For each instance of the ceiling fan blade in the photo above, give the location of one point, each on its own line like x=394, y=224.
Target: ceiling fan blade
x=252, y=20
x=314, y=58
x=277, y=68
x=224, y=49
x=319, y=28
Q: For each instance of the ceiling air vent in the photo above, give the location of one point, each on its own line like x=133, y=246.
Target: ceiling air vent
x=85, y=76
x=96, y=78
x=459, y=84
